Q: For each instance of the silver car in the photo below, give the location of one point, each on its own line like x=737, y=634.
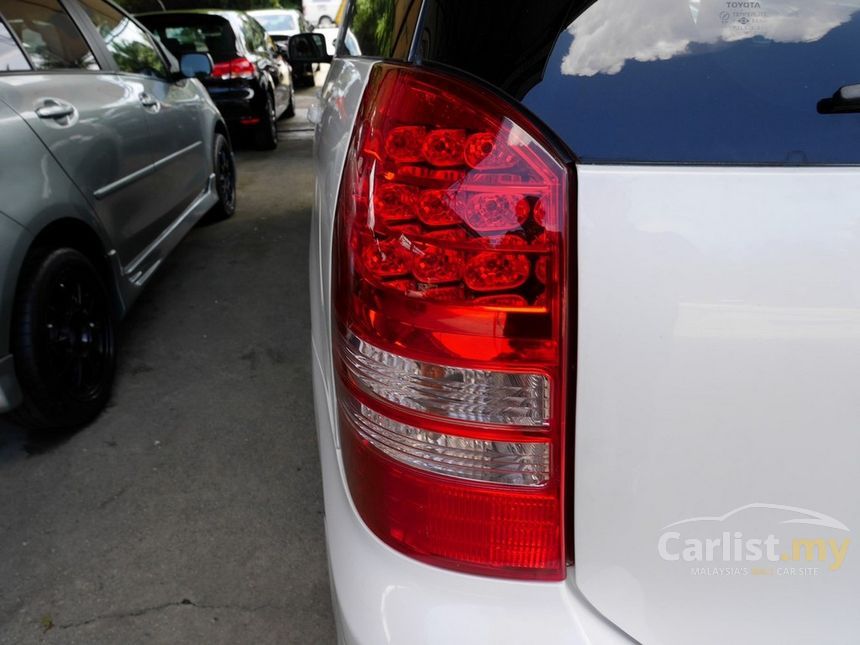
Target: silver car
x=110, y=151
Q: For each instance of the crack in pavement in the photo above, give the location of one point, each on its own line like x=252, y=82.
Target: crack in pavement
x=114, y=497
x=185, y=602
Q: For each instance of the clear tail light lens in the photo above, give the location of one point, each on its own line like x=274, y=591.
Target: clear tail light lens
x=483, y=396
x=501, y=462
x=451, y=299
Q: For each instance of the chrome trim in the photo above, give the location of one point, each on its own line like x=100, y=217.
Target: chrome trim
x=111, y=188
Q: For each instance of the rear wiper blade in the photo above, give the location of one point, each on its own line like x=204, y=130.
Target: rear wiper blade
x=846, y=99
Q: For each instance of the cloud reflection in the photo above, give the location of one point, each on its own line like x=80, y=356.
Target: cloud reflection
x=612, y=32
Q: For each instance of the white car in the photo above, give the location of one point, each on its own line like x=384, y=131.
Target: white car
x=322, y=13
x=281, y=23
x=585, y=286
x=330, y=34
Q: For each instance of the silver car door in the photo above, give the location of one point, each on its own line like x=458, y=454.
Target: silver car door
x=95, y=129
x=182, y=159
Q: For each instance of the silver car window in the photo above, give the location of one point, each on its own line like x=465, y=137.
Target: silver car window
x=131, y=47
x=11, y=57
x=50, y=38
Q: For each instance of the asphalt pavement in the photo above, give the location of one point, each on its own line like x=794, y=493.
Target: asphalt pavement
x=191, y=510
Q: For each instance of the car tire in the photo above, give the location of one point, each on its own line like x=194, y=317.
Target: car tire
x=63, y=341
x=310, y=79
x=325, y=21
x=267, y=132
x=304, y=75
x=224, y=165
x=290, y=112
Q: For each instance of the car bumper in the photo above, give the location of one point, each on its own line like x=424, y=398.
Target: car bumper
x=303, y=70
x=236, y=104
x=10, y=392
x=380, y=596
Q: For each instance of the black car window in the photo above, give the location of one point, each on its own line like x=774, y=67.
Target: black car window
x=188, y=33
x=383, y=28
x=248, y=36
x=131, y=47
x=11, y=57
x=255, y=36
x=50, y=38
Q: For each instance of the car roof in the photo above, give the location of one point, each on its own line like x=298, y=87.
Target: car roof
x=235, y=19
x=274, y=12
x=224, y=13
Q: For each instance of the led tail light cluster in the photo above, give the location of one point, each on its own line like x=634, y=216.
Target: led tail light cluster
x=450, y=283
x=236, y=68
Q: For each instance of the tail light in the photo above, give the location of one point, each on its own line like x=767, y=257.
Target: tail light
x=450, y=288
x=236, y=68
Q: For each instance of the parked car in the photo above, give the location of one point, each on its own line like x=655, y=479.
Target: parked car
x=251, y=82
x=280, y=25
x=110, y=151
x=330, y=34
x=322, y=13
x=586, y=322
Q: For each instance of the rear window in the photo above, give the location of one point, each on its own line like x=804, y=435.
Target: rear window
x=668, y=81
x=705, y=81
x=188, y=33
x=277, y=22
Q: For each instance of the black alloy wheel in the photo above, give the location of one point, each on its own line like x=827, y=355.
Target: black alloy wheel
x=291, y=107
x=225, y=178
x=267, y=131
x=63, y=340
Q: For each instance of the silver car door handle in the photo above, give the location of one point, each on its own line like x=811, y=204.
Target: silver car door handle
x=55, y=111
x=147, y=101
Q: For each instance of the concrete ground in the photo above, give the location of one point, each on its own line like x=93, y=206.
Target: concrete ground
x=191, y=510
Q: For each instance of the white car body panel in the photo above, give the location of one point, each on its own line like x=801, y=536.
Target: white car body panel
x=718, y=363
x=340, y=99
x=314, y=10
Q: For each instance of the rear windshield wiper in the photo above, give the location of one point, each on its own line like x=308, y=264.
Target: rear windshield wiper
x=846, y=99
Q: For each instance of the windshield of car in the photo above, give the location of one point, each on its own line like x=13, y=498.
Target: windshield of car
x=188, y=33
x=277, y=21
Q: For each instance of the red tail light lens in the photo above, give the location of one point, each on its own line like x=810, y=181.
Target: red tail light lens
x=236, y=68
x=450, y=283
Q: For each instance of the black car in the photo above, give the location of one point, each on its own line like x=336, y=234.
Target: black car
x=250, y=81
